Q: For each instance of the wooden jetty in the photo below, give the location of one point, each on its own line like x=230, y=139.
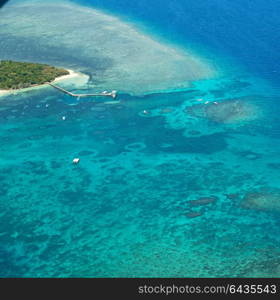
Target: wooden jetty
x=112, y=94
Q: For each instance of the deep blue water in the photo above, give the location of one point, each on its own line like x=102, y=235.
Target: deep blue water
x=246, y=30
x=189, y=189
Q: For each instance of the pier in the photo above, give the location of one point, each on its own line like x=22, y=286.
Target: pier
x=112, y=94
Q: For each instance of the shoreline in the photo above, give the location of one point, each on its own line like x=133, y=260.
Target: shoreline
x=72, y=74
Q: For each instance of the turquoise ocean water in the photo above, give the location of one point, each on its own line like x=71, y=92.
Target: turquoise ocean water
x=187, y=190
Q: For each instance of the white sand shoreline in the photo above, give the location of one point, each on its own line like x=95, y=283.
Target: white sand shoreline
x=72, y=75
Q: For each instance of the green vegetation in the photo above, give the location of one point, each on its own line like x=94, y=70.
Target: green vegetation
x=18, y=75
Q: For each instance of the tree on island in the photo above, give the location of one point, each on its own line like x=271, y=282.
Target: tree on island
x=18, y=75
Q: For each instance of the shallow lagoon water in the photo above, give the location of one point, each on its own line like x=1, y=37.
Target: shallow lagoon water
x=167, y=193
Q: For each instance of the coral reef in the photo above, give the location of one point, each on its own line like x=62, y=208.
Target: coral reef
x=264, y=199
x=203, y=201
x=229, y=111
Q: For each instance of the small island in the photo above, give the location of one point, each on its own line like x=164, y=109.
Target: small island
x=24, y=76
x=20, y=75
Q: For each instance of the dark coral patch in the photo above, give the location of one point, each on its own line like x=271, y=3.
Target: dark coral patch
x=180, y=144
x=3, y=190
x=231, y=196
x=55, y=164
x=250, y=155
x=36, y=167
x=72, y=197
x=194, y=214
x=194, y=132
x=86, y=153
x=275, y=166
x=203, y=201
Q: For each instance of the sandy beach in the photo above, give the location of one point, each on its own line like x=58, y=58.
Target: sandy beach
x=65, y=78
x=72, y=74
